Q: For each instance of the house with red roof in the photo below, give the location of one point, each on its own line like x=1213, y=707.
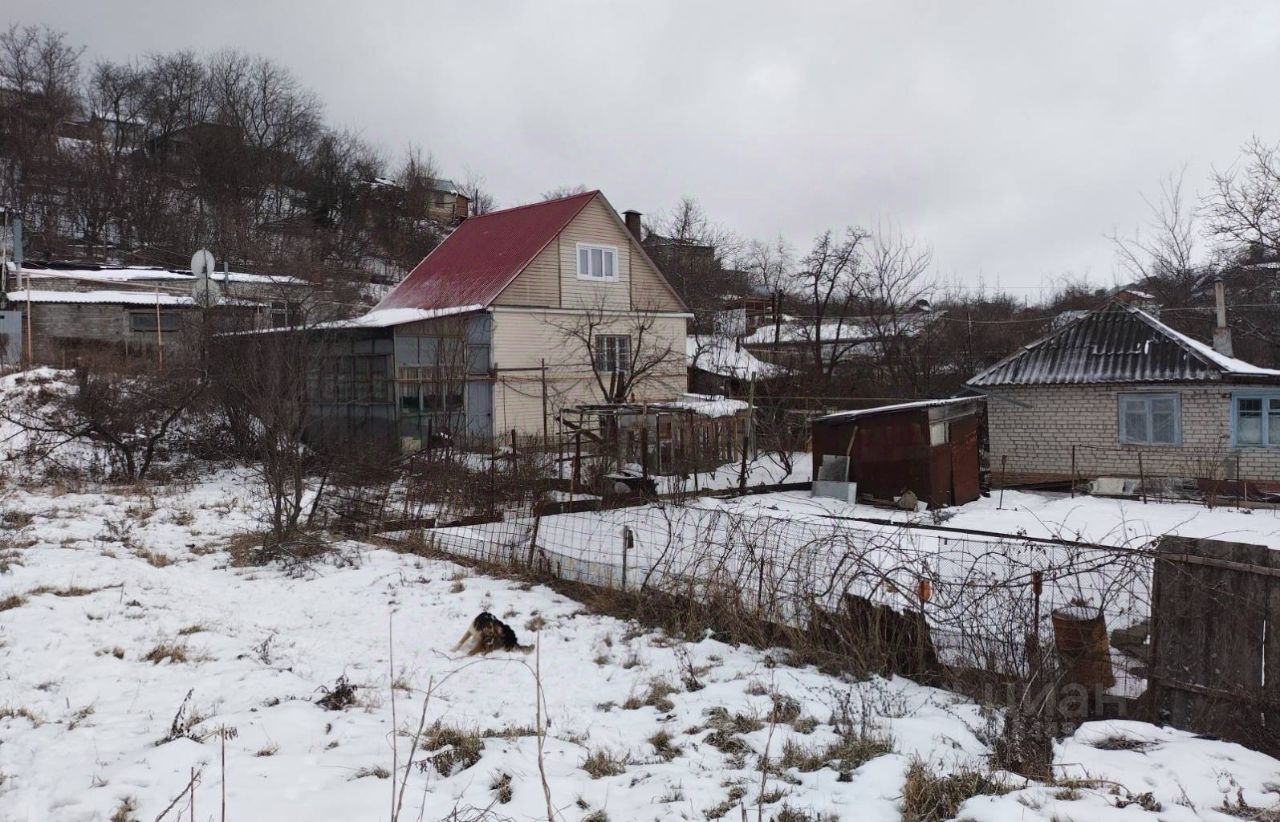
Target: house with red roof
x=518, y=314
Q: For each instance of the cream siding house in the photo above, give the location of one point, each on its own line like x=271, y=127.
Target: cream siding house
x=517, y=315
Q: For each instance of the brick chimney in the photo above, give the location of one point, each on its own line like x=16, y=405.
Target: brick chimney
x=632, y=218
x=1221, y=334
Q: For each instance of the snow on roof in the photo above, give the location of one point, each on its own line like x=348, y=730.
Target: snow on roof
x=904, y=406
x=716, y=355
x=843, y=329
x=152, y=274
x=102, y=297
x=386, y=317
x=1228, y=364
x=707, y=405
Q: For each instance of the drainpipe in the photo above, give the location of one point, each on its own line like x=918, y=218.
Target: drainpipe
x=1222, y=333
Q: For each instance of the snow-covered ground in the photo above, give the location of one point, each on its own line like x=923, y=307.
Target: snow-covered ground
x=94, y=583
x=1100, y=520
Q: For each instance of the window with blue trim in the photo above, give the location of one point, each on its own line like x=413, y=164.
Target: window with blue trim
x=1150, y=419
x=1255, y=420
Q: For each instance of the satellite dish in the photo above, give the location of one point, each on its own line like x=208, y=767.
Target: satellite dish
x=202, y=262
x=204, y=291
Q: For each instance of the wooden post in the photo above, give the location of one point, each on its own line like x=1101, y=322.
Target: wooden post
x=742, y=473
x=544, y=399
x=628, y=542
x=577, y=462
x=751, y=415
x=533, y=538
x=1142, y=479
x=31, y=351
x=1004, y=460
x=644, y=449
x=1073, y=472
x=159, y=333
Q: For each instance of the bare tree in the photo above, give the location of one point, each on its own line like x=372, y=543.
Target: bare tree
x=893, y=293
x=624, y=349
x=691, y=249
x=130, y=416
x=477, y=193
x=1163, y=259
x=560, y=192
x=1243, y=210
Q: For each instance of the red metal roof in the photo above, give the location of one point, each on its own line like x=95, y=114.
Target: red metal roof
x=483, y=255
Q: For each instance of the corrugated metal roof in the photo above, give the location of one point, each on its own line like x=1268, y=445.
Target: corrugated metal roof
x=1117, y=344
x=483, y=255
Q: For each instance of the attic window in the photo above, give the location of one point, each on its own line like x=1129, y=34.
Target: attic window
x=597, y=262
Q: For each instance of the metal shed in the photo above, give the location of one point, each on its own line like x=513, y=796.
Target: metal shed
x=932, y=448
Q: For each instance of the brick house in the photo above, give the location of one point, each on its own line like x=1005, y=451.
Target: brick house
x=1117, y=393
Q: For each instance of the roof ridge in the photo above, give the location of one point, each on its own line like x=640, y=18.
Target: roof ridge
x=501, y=211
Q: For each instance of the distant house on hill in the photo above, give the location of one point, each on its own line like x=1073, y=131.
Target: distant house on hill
x=517, y=315
x=1117, y=393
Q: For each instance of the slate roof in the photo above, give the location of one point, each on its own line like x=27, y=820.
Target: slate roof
x=483, y=255
x=1118, y=344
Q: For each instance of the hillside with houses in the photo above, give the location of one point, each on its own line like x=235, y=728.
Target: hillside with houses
x=334, y=487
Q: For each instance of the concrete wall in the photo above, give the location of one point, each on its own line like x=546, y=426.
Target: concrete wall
x=60, y=330
x=1036, y=427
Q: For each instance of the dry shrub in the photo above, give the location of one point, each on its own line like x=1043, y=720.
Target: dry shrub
x=450, y=750
x=602, y=762
x=500, y=785
x=655, y=696
x=124, y=812
x=167, y=650
x=11, y=711
x=928, y=796
x=663, y=745
x=12, y=601
x=338, y=698
x=376, y=771
x=154, y=558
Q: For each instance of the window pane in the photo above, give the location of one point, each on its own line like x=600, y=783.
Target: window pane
x=1249, y=421
x=1134, y=420
x=584, y=266
x=597, y=262
x=1164, y=420
x=608, y=264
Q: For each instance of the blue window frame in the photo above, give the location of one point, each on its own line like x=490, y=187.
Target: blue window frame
x=1255, y=420
x=1150, y=419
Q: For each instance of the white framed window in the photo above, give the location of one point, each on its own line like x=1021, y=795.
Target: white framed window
x=597, y=262
x=1150, y=419
x=1255, y=420
x=613, y=353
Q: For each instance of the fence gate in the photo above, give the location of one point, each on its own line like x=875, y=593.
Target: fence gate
x=1216, y=640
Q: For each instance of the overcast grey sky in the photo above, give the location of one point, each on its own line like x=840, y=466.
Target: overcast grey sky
x=1012, y=137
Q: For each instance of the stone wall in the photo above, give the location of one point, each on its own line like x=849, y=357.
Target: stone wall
x=1034, y=429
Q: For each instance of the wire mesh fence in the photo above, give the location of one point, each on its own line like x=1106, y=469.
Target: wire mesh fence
x=927, y=599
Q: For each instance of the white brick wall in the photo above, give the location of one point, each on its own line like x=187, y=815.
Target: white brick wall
x=1037, y=440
